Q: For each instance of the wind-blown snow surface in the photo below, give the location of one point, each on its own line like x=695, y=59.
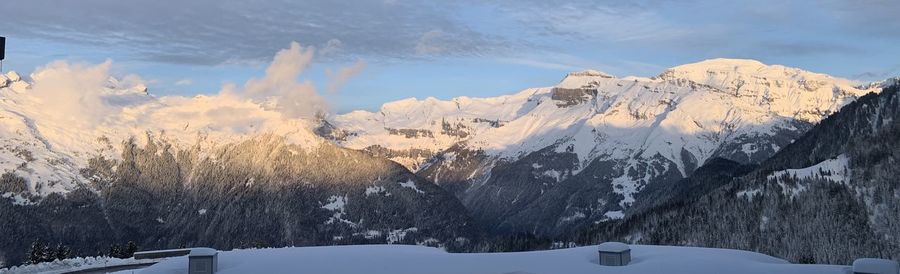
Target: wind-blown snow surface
x=634, y=131
x=398, y=259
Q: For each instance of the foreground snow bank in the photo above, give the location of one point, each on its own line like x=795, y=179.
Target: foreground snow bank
x=74, y=264
x=399, y=259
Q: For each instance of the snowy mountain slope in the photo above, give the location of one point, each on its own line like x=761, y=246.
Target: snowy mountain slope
x=612, y=137
x=431, y=125
x=50, y=131
x=398, y=259
x=82, y=148
x=835, y=187
x=89, y=160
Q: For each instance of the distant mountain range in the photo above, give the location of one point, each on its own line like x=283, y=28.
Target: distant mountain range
x=830, y=196
x=545, y=160
x=592, y=153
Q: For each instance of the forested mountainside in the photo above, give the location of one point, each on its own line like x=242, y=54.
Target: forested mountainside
x=260, y=192
x=550, y=160
x=830, y=197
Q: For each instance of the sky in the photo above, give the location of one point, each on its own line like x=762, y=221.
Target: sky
x=366, y=53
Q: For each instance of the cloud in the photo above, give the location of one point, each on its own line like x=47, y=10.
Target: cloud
x=211, y=32
x=214, y=32
x=866, y=17
x=877, y=75
x=86, y=97
x=612, y=24
x=540, y=64
x=339, y=79
x=280, y=88
x=86, y=94
x=432, y=42
x=331, y=47
x=73, y=93
x=184, y=82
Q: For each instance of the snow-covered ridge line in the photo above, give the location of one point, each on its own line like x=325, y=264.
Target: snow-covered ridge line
x=617, y=119
x=627, y=132
x=782, y=92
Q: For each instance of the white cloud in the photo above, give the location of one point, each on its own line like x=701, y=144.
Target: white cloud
x=184, y=82
x=339, y=79
x=540, y=64
x=237, y=31
x=73, y=93
x=331, y=47
x=280, y=88
x=75, y=103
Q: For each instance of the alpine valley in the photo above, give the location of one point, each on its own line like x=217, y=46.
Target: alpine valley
x=720, y=153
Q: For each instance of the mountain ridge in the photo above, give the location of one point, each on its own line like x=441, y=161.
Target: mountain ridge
x=544, y=160
x=645, y=130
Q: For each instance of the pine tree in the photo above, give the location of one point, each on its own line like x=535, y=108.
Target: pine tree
x=49, y=253
x=115, y=251
x=62, y=252
x=36, y=252
x=130, y=249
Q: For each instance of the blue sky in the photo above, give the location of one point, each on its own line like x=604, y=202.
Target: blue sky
x=445, y=48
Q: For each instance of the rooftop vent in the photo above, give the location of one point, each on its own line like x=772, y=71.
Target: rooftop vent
x=614, y=254
x=203, y=261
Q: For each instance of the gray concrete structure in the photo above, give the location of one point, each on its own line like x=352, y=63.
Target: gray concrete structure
x=614, y=254
x=203, y=261
x=157, y=254
x=875, y=266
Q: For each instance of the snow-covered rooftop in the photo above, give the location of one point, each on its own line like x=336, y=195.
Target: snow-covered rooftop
x=613, y=247
x=870, y=265
x=400, y=259
x=202, y=251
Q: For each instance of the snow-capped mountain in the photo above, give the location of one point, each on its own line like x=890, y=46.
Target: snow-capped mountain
x=582, y=150
x=829, y=197
x=82, y=149
x=89, y=161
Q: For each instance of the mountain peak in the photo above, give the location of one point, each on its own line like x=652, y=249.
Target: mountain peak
x=739, y=67
x=705, y=68
x=881, y=84
x=580, y=79
x=590, y=73
x=744, y=74
x=722, y=63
